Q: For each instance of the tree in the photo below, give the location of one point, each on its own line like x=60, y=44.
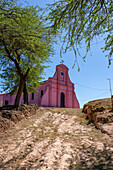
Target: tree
x=80, y=21
x=10, y=80
x=24, y=42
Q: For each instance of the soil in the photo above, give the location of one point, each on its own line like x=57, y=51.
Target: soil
x=101, y=114
x=54, y=139
x=10, y=116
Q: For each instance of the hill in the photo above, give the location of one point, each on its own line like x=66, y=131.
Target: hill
x=52, y=138
x=101, y=114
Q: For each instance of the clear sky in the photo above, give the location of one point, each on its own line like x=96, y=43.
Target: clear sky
x=91, y=81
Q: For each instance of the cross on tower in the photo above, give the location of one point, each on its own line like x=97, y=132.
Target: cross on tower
x=62, y=61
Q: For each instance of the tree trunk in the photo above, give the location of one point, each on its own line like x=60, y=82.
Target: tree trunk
x=25, y=95
x=19, y=93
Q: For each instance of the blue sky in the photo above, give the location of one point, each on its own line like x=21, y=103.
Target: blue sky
x=91, y=81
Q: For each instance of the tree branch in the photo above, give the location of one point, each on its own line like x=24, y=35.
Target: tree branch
x=7, y=51
x=14, y=60
x=25, y=76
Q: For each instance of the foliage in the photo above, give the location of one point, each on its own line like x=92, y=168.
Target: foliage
x=80, y=21
x=10, y=79
x=25, y=44
x=1, y=103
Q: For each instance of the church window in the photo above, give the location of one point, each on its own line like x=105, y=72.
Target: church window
x=32, y=96
x=41, y=93
x=6, y=102
x=62, y=74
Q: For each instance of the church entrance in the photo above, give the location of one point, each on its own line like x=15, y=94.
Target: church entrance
x=62, y=100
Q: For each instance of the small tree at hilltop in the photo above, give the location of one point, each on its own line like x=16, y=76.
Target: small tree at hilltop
x=25, y=44
x=80, y=21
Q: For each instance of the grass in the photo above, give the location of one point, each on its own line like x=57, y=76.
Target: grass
x=68, y=111
x=67, y=133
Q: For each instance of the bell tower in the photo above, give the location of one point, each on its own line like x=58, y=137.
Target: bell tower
x=62, y=89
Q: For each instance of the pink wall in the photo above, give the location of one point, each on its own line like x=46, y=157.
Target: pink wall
x=10, y=99
x=52, y=89
x=37, y=95
x=45, y=98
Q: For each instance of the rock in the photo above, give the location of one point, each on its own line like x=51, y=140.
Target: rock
x=5, y=124
x=6, y=114
x=99, y=112
x=107, y=128
x=9, y=117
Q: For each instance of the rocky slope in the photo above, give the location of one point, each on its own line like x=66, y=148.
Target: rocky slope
x=9, y=116
x=55, y=139
x=101, y=114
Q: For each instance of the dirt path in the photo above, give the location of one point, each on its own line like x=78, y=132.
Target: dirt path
x=55, y=139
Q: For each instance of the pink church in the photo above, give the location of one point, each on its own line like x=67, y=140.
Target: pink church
x=57, y=91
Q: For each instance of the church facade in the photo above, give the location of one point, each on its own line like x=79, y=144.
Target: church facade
x=57, y=91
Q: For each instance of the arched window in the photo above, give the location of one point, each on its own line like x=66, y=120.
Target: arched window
x=32, y=96
x=41, y=93
x=62, y=74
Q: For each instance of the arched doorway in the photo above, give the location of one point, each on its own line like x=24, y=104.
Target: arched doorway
x=62, y=100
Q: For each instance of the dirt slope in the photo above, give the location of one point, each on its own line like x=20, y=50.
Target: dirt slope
x=55, y=139
x=101, y=113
